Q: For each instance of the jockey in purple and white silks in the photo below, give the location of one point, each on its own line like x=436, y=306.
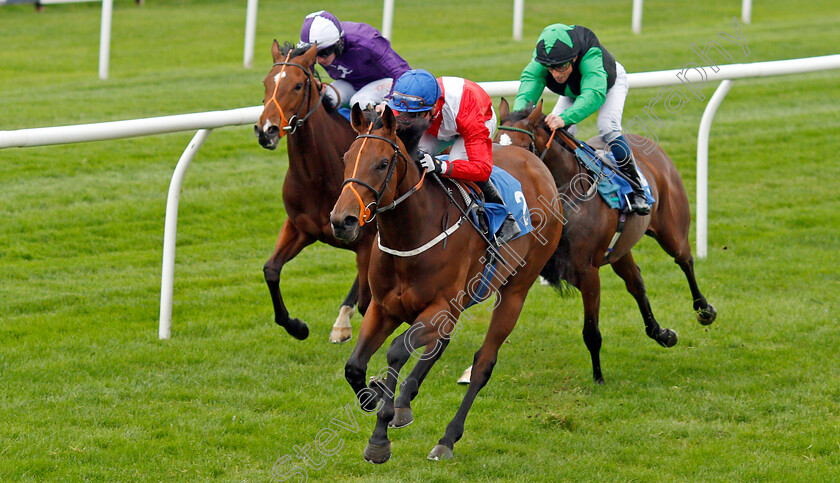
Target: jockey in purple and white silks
x=356, y=55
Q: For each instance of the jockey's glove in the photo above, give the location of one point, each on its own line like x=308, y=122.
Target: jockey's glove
x=432, y=164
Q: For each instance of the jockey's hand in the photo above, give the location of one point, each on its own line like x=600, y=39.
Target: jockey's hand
x=380, y=108
x=432, y=164
x=554, y=122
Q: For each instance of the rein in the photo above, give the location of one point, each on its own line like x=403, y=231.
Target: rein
x=294, y=122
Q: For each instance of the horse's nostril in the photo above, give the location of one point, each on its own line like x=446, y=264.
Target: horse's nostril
x=272, y=130
x=350, y=222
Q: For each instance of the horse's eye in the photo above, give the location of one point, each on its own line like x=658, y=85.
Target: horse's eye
x=382, y=165
x=299, y=86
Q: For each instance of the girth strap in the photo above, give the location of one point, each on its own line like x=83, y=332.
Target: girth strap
x=621, y=219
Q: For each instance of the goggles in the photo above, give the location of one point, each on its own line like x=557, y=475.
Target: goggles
x=561, y=66
x=326, y=52
x=407, y=102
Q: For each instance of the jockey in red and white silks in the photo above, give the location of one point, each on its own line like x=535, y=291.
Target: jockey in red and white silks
x=463, y=117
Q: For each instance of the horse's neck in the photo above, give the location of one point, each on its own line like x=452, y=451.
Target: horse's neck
x=562, y=164
x=317, y=147
x=416, y=220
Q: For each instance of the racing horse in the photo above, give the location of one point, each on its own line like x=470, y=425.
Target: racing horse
x=317, y=137
x=588, y=235
x=424, y=260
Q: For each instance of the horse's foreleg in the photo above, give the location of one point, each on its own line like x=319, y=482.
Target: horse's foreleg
x=290, y=242
x=501, y=324
x=403, y=416
x=342, y=331
x=427, y=330
x=627, y=269
x=373, y=332
x=590, y=289
x=362, y=265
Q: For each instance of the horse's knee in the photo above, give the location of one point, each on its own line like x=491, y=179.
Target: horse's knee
x=271, y=272
x=354, y=373
x=397, y=353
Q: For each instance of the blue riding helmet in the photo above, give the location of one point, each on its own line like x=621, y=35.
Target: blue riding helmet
x=415, y=91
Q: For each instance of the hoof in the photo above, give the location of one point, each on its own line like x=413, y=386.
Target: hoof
x=706, y=316
x=465, y=377
x=440, y=452
x=341, y=334
x=296, y=328
x=377, y=454
x=667, y=338
x=402, y=418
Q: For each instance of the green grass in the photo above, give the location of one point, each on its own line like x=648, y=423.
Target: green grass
x=88, y=392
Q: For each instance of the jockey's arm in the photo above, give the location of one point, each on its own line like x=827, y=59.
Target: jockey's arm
x=531, y=85
x=593, y=88
x=471, y=126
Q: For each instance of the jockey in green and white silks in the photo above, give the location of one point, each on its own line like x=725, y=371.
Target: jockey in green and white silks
x=571, y=62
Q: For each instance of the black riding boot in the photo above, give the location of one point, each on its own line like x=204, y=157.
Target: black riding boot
x=510, y=228
x=624, y=159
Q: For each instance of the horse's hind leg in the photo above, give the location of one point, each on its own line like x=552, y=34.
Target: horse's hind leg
x=342, y=331
x=290, y=242
x=590, y=289
x=627, y=269
x=677, y=246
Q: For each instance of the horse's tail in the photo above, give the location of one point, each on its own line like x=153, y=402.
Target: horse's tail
x=558, y=270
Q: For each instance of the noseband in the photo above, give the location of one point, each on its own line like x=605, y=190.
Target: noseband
x=364, y=211
x=296, y=120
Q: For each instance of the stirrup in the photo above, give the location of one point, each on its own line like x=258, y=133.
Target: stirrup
x=509, y=230
x=639, y=205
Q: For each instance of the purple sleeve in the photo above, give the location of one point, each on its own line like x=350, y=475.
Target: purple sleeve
x=367, y=57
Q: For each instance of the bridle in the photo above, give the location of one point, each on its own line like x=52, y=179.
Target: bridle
x=533, y=146
x=365, y=210
x=289, y=126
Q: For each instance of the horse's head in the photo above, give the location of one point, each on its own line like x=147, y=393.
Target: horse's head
x=374, y=166
x=520, y=128
x=290, y=93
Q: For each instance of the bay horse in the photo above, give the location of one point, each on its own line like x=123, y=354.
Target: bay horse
x=426, y=284
x=591, y=225
x=317, y=138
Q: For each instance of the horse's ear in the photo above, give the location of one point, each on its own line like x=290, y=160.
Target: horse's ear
x=308, y=58
x=357, y=119
x=275, y=51
x=504, y=109
x=536, y=114
x=389, y=122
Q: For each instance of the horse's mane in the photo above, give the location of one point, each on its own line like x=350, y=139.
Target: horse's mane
x=296, y=50
x=409, y=134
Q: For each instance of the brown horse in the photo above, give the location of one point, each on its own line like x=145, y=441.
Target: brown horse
x=423, y=283
x=591, y=225
x=317, y=138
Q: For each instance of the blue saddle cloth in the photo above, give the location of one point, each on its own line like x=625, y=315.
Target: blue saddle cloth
x=345, y=112
x=613, y=188
x=510, y=189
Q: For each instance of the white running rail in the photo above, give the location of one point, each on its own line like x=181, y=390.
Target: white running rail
x=204, y=122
